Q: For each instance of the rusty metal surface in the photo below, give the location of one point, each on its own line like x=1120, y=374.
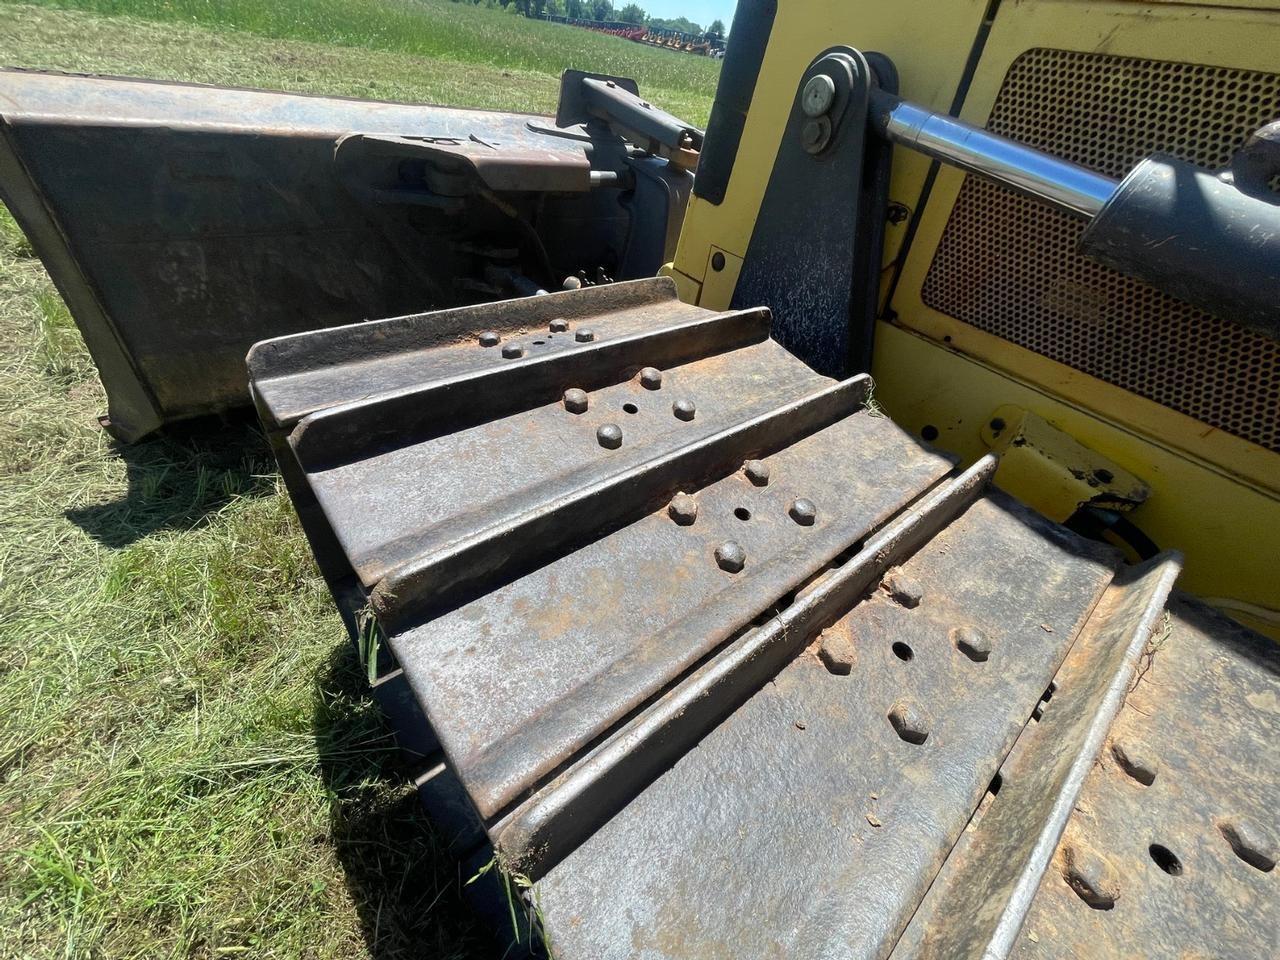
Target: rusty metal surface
x=1182, y=865
x=728, y=666
x=586, y=666
x=538, y=834
x=811, y=821
x=182, y=223
x=992, y=874
x=298, y=375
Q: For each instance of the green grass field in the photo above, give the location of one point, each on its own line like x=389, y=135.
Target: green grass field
x=188, y=764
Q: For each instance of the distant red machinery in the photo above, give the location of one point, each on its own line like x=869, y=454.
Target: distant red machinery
x=705, y=44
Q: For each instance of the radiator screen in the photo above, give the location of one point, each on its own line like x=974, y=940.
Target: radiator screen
x=1008, y=265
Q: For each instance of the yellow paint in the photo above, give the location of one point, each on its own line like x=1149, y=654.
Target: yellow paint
x=1050, y=470
x=1226, y=528
x=1171, y=31
x=719, y=284
x=928, y=41
x=1214, y=496
x=687, y=288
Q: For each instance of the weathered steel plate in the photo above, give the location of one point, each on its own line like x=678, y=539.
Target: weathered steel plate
x=643, y=605
x=977, y=903
x=752, y=676
x=1182, y=866
x=806, y=825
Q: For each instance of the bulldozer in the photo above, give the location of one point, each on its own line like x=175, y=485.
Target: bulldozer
x=850, y=531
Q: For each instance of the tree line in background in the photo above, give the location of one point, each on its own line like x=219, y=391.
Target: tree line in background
x=601, y=10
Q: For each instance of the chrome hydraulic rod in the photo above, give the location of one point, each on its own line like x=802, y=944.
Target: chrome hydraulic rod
x=1065, y=185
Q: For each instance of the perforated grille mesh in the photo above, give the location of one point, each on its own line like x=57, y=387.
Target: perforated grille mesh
x=1008, y=265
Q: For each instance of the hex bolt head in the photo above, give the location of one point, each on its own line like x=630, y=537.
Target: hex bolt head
x=610, y=436
x=1091, y=876
x=815, y=134
x=972, y=642
x=683, y=509
x=909, y=722
x=489, y=338
x=1251, y=844
x=838, y=651
x=904, y=589
x=802, y=511
x=731, y=557
x=584, y=336
x=818, y=94
x=575, y=400
x=558, y=325
x=651, y=378
x=1136, y=759
x=513, y=350
x=757, y=472
x=684, y=410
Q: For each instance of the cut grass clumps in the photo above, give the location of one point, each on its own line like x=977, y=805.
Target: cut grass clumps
x=190, y=765
x=60, y=349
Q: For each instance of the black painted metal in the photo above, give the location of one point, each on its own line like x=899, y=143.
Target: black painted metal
x=1196, y=236
x=814, y=254
x=752, y=26
x=617, y=102
x=725, y=665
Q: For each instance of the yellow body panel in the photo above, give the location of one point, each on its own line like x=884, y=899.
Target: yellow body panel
x=1214, y=496
x=929, y=42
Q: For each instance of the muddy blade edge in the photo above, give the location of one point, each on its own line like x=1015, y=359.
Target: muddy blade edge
x=725, y=665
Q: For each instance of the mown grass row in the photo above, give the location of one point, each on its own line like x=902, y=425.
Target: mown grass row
x=456, y=32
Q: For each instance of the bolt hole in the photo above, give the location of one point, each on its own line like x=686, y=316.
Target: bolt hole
x=1104, y=476
x=538, y=343
x=997, y=424
x=902, y=651
x=929, y=432
x=630, y=408
x=1165, y=859
x=742, y=513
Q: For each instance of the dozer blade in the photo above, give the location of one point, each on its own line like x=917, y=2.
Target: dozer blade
x=719, y=662
x=183, y=223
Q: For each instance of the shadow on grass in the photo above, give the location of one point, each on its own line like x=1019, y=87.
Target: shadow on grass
x=407, y=888
x=177, y=478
